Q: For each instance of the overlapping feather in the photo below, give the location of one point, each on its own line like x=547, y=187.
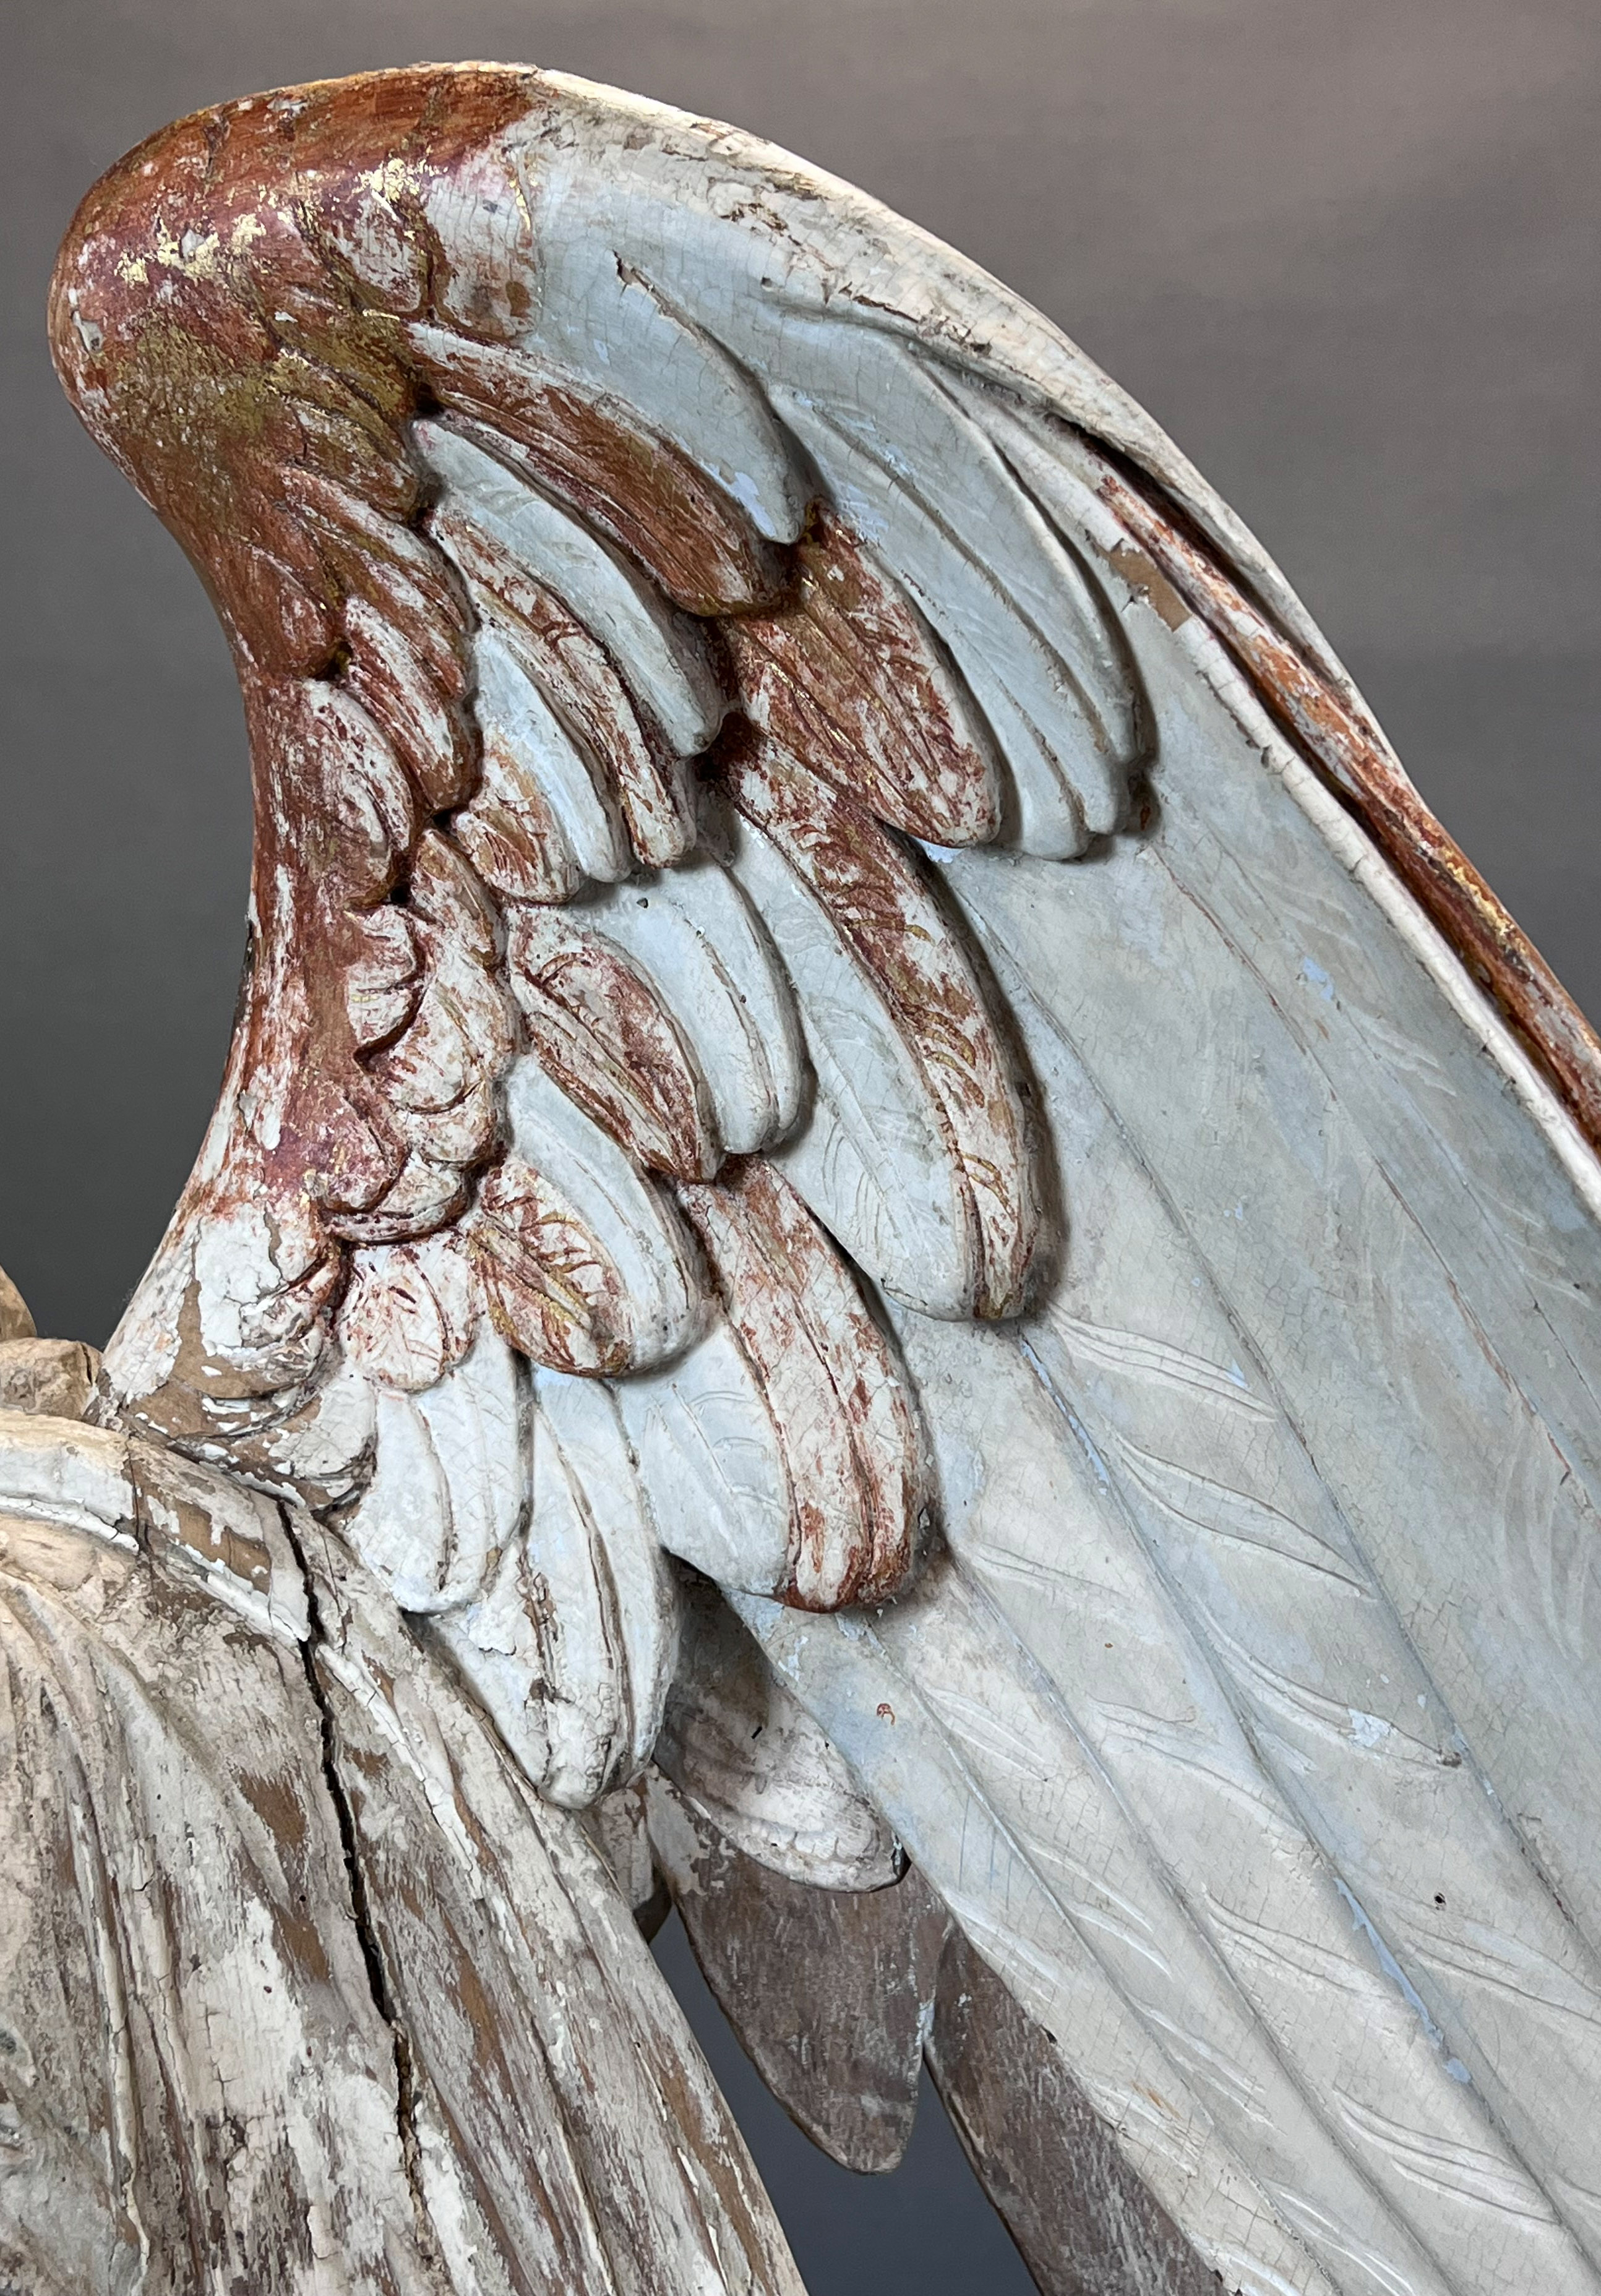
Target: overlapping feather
x=620, y=608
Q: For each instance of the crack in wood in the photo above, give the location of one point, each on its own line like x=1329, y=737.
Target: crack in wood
x=361, y=1910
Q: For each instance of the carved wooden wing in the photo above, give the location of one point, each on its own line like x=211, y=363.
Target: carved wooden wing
x=290, y=1964
x=845, y=1005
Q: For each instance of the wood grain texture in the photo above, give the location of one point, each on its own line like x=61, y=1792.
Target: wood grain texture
x=829, y=1991
x=499, y=1932
x=1082, y=2224
x=57, y=1376
x=15, y=1321
x=1004, y=1139
x=289, y=1953
x=616, y=1824
x=175, y=1872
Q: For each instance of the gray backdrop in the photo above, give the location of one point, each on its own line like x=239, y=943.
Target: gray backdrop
x=1344, y=250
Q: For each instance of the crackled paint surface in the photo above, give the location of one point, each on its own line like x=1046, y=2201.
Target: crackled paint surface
x=890, y=1233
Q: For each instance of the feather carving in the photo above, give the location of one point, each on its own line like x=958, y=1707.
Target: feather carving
x=735, y=1087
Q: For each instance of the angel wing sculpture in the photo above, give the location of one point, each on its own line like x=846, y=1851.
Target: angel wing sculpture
x=890, y=1240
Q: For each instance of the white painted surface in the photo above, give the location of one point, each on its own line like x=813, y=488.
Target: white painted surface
x=1249, y=1717
x=659, y=651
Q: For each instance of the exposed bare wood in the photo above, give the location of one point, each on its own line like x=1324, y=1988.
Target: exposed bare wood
x=1151, y=1300
x=15, y=1321
x=174, y=1868
x=831, y=1991
x=56, y=1376
x=616, y=1824
x=276, y=1974
x=1084, y=2226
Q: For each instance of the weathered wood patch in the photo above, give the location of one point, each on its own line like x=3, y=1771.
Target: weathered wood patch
x=831, y=1991
x=1084, y=2223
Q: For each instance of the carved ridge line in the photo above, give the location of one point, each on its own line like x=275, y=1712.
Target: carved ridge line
x=998, y=1945
x=1354, y=761
x=1200, y=1627
x=1534, y=1419
x=1220, y=1293
x=1306, y=1049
